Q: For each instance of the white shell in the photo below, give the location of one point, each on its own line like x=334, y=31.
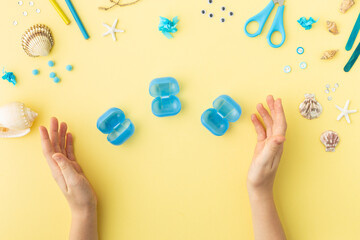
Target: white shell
x=330, y=139
x=310, y=108
x=15, y=120
x=37, y=41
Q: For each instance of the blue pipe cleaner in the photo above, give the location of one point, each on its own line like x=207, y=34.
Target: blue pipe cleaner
x=167, y=26
x=9, y=76
x=307, y=24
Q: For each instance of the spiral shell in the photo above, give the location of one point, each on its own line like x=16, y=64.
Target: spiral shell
x=332, y=27
x=330, y=54
x=15, y=120
x=37, y=41
x=330, y=139
x=345, y=5
x=310, y=108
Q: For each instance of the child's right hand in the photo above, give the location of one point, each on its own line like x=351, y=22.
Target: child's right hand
x=269, y=148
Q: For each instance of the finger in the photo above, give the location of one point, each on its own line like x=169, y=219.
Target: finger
x=280, y=124
x=266, y=118
x=54, y=135
x=62, y=134
x=270, y=102
x=45, y=142
x=259, y=128
x=70, y=147
x=70, y=175
x=272, y=147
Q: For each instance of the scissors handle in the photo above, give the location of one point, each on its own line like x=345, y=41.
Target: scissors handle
x=260, y=18
x=277, y=26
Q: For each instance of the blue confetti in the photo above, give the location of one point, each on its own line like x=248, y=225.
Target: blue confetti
x=307, y=24
x=56, y=80
x=35, y=72
x=10, y=77
x=52, y=75
x=69, y=68
x=167, y=26
x=51, y=63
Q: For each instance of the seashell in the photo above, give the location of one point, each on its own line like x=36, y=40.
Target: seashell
x=345, y=5
x=330, y=54
x=330, y=139
x=15, y=120
x=37, y=41
x=310, y=108
x=332, y=27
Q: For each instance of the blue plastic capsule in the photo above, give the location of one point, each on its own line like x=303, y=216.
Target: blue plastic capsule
x=118, y=128
x=165, y=103
x=217, y=119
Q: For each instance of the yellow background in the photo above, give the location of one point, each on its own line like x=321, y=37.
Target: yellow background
x=173, y=179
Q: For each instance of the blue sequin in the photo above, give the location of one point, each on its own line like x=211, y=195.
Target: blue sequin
x=307, y=24
x=167, y=26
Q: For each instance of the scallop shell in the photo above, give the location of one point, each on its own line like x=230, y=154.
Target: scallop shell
x=329, y=54
x=330, y=139
x=345, y=5
x=332, y=27
x=15, y=120
x=310, y=108
x=37, y=41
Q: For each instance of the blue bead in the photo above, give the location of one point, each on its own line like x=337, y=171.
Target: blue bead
x=56, y=80
x=69, y=68
x=51, y=63
x=35, y=72
x=52, y=75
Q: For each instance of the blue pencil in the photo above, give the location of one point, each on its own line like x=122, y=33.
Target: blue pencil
x=77, y=19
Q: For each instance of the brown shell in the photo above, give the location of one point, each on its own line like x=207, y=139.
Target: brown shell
x=310, y=108
x=37, y=41
x=330, y=139
x=346, y=5
x=332, y=27
x=329, y=54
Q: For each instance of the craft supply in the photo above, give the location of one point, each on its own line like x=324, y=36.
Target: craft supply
x=346, y=5
x=231, y=14
x=9, y=76
x=300, y=50
x=222, y=19
x=117, y=3
x=217, y=119
x=35, y=72
x=210, y=1
x=69, y=68
x=287, y=69
x=223, y=8
x=306, y=23
x=112, y=30
x=118, y=128
x=310, y=108
x=211, y=15
x=77, y=19
x=330, y=139
x=345, y=112
x=330, y=54
x=56, y=80
x=167, y=26
x=52, y=75
x=353, y=34
x=203, y=12
x=15, y=120
x=165, y=103
x=303, y=65
x=37, y=41
x=352, y=59
x=60, y=11
x=51, y=63
x=332, y=27
x=277, y=25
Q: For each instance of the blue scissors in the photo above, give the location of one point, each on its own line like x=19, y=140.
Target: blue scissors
x=277, y=26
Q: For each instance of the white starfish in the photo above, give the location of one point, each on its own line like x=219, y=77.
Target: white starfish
x=345, y=112
x=112, y=30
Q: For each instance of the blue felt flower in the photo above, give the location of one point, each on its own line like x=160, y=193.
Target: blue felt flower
x=307, y=24
x=10, y=77
x=167, y=26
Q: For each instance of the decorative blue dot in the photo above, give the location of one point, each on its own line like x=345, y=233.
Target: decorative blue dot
x=69, y=68
x=51, y=63
x=52, y=75
x=300, y=50
x=56, y=80
x=35, y=72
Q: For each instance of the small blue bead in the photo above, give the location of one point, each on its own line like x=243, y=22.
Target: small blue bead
x=35, y=72
x=56, y=80
x=69, y=68
x=52, y=75
x=51, y=63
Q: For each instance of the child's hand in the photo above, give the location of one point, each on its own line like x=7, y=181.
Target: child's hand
x=58, y=150
x=269, y=148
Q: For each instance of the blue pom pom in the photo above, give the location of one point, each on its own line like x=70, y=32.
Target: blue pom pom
x=52, y=75
x=69, y=68
x=56, y=80
x=35, y=72
x=51, y=63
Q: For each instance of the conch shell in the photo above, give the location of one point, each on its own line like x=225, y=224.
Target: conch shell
x=332, y=27
x=37, y=41
x=330, y=54
x=330, y=139
x=345, y=5
x=15, y=120
x=310, y=108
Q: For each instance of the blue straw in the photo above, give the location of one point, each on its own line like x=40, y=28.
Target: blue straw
x=77, y=19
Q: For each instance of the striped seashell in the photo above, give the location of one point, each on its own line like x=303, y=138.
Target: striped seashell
x=330, y=139
x=310, y=108
x=37, y=41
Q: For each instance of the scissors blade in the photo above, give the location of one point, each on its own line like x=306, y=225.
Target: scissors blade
x=280, y=2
